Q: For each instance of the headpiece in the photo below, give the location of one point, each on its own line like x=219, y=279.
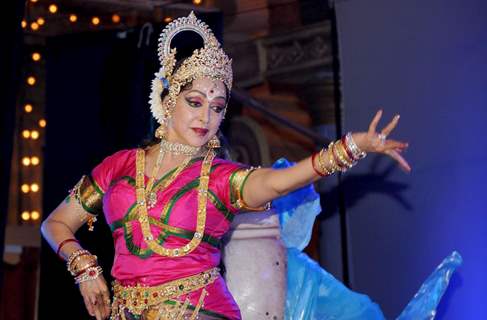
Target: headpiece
x=210, y=61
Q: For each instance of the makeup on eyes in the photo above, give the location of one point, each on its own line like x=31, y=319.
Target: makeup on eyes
x=196, y=102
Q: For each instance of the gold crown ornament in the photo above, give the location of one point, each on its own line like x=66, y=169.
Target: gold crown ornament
x=210, y=61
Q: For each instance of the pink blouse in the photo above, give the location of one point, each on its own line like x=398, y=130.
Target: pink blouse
x=176, y=206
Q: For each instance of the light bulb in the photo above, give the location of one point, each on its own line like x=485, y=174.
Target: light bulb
x=25, y=188
x=26, y=161
x=34, y=161
x=34, y=134
x=31, y=81
x=115, y=18
x=25, y=134
x=25, y=215
x=53, y=8
x=36, y=56
x=34, y=187
x=35, y=215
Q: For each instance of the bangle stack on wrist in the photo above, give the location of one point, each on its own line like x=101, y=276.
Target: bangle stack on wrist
x=90, y=273
x=342, y=155
x=83, y=266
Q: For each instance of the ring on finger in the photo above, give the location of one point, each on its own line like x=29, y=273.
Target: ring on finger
x=382, y=138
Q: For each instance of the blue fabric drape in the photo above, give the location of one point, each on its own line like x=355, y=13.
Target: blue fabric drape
x=313, y=293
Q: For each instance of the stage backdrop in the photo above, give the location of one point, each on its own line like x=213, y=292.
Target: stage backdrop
x=426, y=60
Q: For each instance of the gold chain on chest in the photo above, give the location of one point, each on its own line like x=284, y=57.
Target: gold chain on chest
x=143, y=217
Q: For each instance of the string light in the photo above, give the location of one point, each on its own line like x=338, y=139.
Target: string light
x=73, y=18
x=95, y=21
x=34, y=134
x=25, y=215
x=25, y=188
x=42, y=123
x=36, y=56
x=34, y=26
x=28, y=108
x=34, y=160
x=31, y=81
x=167, y=19
x=26, y=161
x=35, y=215
x=41, y=21
x=115, y=18
x=26, y=134
x=34, y=187
x=197, y=2
x=23, y=24
x=52, y=8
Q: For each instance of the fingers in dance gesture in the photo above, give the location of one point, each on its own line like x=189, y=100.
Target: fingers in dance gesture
x=378, y=142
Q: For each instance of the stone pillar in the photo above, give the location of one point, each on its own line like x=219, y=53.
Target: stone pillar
x=256, y=265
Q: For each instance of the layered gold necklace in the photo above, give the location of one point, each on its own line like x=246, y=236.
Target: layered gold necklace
x=164, y=148
x=144, y=198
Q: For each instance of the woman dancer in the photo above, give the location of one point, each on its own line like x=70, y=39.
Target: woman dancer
x=168, y=205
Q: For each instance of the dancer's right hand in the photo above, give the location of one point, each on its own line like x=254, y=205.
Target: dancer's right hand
x=97, y=297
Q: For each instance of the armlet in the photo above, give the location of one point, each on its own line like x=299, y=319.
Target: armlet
x=89, y=195
x=237, y=183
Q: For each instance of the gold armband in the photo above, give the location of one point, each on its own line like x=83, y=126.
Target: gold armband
x=89, y=195
x=237, y=183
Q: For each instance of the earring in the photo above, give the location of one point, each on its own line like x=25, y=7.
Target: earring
x=214, y=143
x=161, y=132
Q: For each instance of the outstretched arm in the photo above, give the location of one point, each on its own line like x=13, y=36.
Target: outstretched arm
x=266, y=184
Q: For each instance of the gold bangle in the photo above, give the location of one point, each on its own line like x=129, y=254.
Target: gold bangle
x=80, y=264
x=75, y=258
x=339, y=159
x=321, y=162
x=85, y=267
x=331, y=157
x=344, y=159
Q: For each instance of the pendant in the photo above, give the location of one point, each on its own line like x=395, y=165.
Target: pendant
x=151, y=200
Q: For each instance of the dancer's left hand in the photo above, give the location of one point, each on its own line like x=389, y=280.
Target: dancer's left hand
x=373, y=141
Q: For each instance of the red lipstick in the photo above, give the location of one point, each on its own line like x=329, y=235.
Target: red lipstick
x=200, y=131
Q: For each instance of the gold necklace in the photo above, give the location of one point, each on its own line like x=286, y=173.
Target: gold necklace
x=166, y=147
x=178, y=148
x=143, y=216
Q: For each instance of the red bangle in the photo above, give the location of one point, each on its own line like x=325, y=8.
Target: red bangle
x=313, y=165
x=62, y=244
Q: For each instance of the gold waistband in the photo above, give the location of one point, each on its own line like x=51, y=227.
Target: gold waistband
x=136, y=299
